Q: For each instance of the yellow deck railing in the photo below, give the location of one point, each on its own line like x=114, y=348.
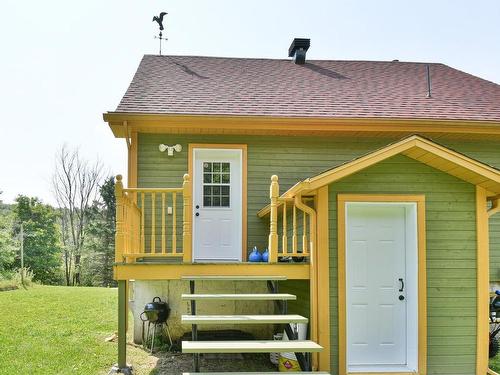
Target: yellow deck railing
x=298, y=225
x=151, y=222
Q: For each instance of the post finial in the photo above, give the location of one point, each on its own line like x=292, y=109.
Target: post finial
x=186, y=177
x=274, y=178
x=119, y=178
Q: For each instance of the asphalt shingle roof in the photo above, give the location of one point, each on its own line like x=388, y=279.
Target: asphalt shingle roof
x=320, y=88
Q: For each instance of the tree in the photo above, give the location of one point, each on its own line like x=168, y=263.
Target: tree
x=41, y=243
x=98, y=263
x=7, y=243
x=75, y=185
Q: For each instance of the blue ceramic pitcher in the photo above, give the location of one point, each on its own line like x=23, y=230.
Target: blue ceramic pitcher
x=255, y=256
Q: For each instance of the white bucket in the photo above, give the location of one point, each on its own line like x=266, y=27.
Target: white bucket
x=288, y=361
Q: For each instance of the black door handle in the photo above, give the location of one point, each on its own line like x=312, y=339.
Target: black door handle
x=402, y=285
x=197, y=206
x=197, y=214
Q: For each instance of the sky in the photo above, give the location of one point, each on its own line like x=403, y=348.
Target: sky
x=64, y=63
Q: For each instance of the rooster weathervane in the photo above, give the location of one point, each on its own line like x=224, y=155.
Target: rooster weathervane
x=159, y=20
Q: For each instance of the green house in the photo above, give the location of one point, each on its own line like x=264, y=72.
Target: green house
x=373, y=186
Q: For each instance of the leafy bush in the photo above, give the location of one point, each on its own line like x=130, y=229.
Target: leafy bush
x=28, y=277
x=14, y=280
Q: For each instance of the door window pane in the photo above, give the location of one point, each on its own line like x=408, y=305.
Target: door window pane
x=216, y=184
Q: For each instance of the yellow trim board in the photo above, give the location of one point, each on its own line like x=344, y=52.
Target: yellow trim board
x=132, y=161
x=342, y=199
x=223, y=124
x=244, y=182
x=158, y=271
x=483, y=281
x=323, y=278
x=444, y=159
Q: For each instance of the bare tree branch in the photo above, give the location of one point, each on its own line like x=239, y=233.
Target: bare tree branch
x=75, y=185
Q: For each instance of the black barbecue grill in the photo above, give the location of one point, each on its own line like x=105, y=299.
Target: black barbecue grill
x=156, y=313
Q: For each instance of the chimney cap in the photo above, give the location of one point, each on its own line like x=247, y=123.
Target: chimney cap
x=299, y=43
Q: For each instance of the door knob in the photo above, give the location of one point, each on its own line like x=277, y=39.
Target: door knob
x=197, y=206
x=197, y=214
x=401, y=298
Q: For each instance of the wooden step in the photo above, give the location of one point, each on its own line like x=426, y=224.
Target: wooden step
x=256, y=373
x=242, y=319
x=233, y=278
x=239, y=297
x=252, y=346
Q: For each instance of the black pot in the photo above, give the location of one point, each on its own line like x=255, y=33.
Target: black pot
x=157, y=311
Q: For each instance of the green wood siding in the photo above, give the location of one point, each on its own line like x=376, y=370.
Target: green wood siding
x=451, y=256
x=292, y=159
x=487, y=152
x=301, y=289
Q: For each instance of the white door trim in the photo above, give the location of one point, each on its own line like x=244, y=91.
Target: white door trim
x=241, y=149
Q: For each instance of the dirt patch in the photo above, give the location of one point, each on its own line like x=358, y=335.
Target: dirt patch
x=175, y=364
x=7, y=288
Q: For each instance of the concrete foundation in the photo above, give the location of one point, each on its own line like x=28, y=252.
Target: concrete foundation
x=142, y=292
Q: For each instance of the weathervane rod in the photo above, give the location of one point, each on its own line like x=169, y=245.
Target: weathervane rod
x=159, y=20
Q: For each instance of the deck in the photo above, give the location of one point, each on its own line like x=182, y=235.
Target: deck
x=170, y=271
x=154, y=236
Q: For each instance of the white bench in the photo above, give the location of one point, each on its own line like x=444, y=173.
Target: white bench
x=239, y=297
x=242, y=319
x=252, y=346
x=233, y=278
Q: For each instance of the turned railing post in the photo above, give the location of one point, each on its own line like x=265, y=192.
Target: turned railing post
x=119, y=234
x=187, y=218
x=274, y=192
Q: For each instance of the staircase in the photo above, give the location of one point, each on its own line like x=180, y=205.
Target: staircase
x=253, y=346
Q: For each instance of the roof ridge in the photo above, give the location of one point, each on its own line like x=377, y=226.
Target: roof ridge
x=289, y=59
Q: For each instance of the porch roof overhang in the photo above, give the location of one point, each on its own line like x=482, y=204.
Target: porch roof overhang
x=417, y=148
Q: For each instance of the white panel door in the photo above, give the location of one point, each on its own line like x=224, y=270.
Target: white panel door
x=375, y=273
x=217, y=194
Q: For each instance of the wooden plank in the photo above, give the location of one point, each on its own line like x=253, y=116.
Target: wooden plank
x=240, y=297
x=165, y=271
x=242, y=319
x=231, y=277
x=251, y=346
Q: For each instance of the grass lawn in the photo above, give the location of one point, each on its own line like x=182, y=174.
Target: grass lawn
x=61, y=330
x=58, y=330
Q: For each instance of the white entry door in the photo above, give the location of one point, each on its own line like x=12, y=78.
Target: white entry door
x=380, y=266
x=217, y=199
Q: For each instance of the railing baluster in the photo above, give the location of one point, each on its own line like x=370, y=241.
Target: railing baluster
x=174, y=223
x=284, y=238
x=143, y=238
x=134, y=229
x=187, y=220
x=274, y=192
x=120, y=207
x=126, y=229
x=304, y=233
x=153, y=224
x=294, y=234
x=163, y=245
